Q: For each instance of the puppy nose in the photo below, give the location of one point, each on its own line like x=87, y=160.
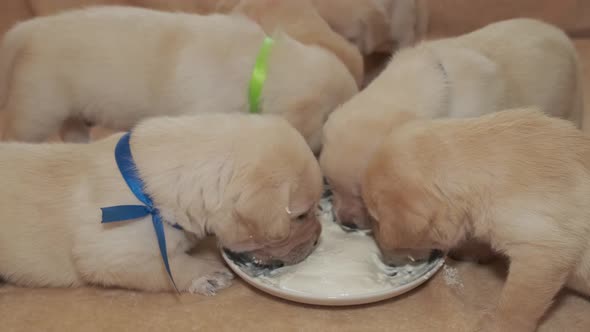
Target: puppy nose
x=275, y=264
x=344, y=219
x=435, y=254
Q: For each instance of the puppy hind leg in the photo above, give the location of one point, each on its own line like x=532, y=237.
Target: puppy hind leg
x=534, y=279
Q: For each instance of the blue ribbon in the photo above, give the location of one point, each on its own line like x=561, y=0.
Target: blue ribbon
x=129, y=212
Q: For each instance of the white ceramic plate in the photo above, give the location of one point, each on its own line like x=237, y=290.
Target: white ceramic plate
x=341, y=300
x=399, y=286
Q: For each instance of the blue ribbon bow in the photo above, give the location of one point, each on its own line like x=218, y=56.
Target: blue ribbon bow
x=128, y=212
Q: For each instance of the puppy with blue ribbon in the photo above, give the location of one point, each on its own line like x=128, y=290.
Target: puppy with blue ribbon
x=125, y=211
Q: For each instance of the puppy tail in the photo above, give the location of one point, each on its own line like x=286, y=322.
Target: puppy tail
x=10, y=47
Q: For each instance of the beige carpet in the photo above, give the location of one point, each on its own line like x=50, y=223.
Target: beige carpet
x=449, y=302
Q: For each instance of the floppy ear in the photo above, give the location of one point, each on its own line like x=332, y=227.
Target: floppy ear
x=399, y=215
x=263, y=209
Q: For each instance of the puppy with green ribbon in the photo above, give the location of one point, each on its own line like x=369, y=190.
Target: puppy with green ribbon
x=110, y=73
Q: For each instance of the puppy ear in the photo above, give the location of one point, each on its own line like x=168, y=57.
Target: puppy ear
x=264, y=211
x=392, y=212
x=400, y=215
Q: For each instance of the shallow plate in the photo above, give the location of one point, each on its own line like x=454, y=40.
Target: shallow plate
x=418, y=275
x=342, y=300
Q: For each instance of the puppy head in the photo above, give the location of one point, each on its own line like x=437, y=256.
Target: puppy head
x=374, y=25
x=275, y=190
x=350, y=136
x=406, y=195
x=307, y=100
x=364, y=23
x=250, y=180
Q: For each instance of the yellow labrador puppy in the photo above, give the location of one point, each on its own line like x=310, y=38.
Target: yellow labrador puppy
x=518, y=180
x=109, y=72
x=377, y=25
x=508, y=64
x=345, y=27
x=299, y=19
x=252, y=181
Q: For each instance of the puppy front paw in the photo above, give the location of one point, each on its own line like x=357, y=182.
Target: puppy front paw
x=211, y=283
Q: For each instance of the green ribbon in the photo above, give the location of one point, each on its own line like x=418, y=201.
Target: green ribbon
x=259, y=76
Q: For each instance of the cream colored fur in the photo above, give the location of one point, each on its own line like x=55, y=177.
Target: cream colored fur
x=518, y=180
x=233, y=176
x=377, y=25
x=508, y=64
x=370, y=25
x=300, y=20
x=113, y=66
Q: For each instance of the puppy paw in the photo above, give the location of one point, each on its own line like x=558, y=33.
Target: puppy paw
x=211, y=283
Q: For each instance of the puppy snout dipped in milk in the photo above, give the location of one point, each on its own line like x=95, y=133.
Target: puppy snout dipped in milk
x=508, y=64
x=292, y=249
x=346, y=267
x=124, y=211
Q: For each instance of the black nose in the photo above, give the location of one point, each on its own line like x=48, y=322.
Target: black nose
x=435, y=254
x=315, y=243
x=274, y=264
x=345, y=223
